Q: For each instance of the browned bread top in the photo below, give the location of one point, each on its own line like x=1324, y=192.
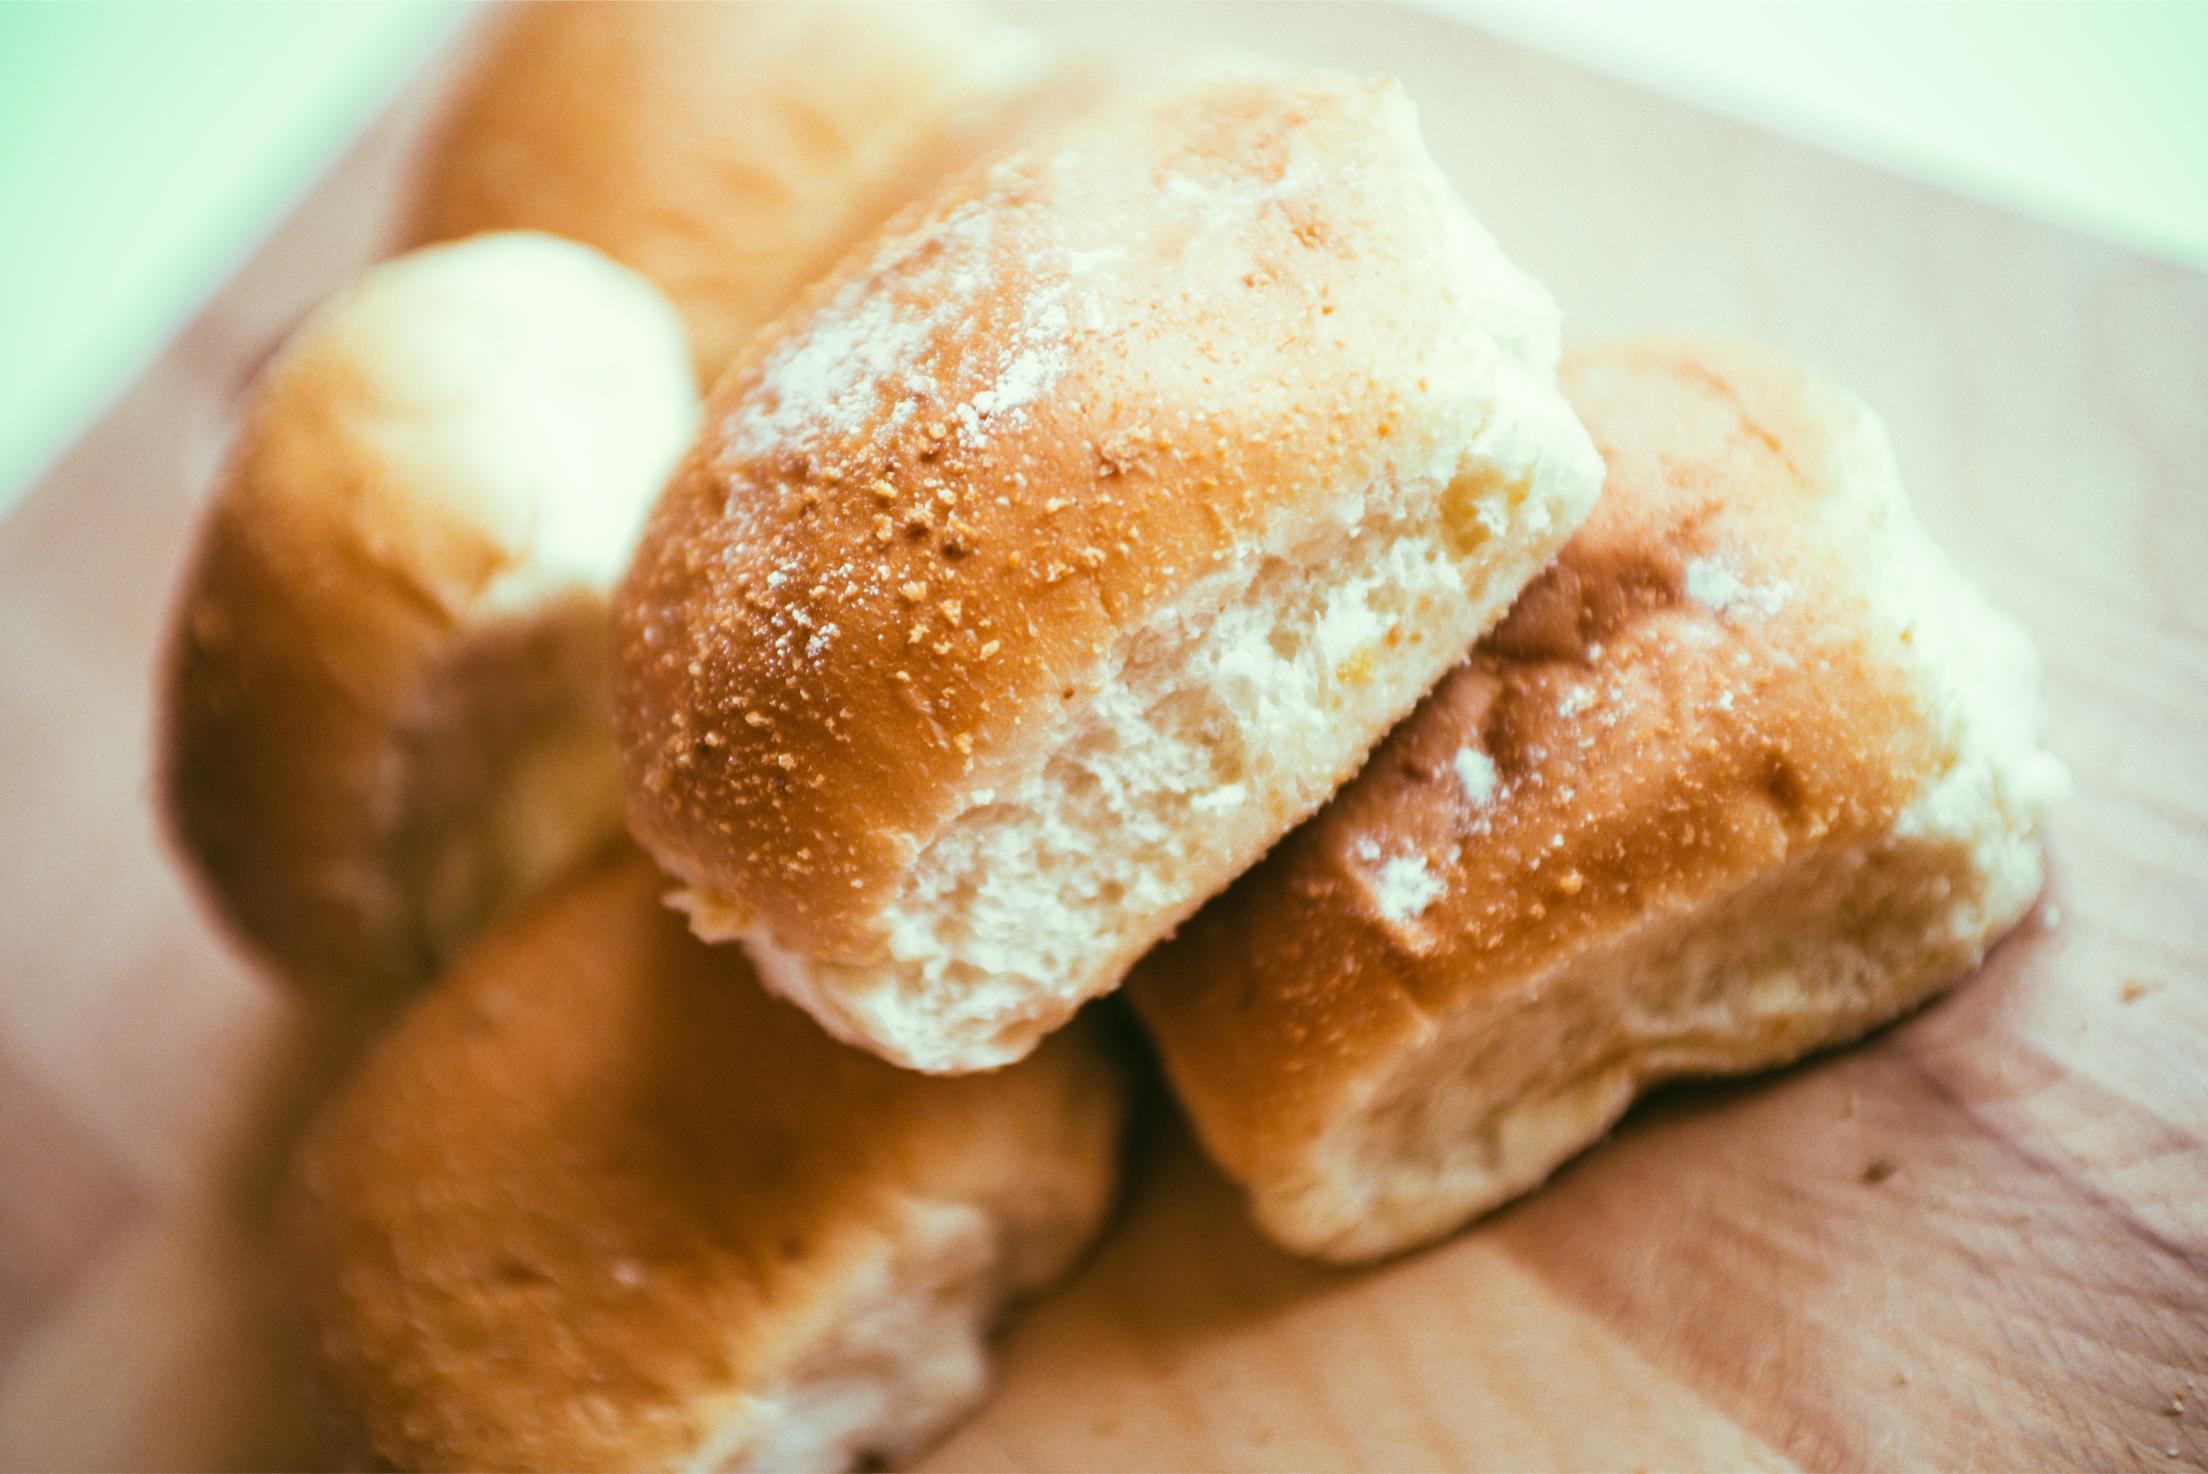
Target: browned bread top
x=1701, y=685
x=730, y=152
x=1146, y=349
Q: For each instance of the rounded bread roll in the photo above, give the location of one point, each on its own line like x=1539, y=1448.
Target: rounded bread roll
x=1749, y=772
x=729, y=152
x=1074, y=539
x=599, y=1202
x=385, y=703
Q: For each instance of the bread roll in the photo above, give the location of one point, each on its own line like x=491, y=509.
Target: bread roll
x=599, y=1202
x=1072, y=541
x=386, y=713
x=729, y=152
x=1748, y=772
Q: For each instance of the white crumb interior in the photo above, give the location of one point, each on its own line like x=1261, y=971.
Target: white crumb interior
x=1212, y=730
x=552, y=799
x=895, y=1363
x=1497, y=1095
x=504, y=774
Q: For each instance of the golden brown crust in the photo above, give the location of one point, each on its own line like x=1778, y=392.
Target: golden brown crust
x=598, y=1187
x=245, y=685
x=1684, y=699
x=729, y=152
x=380, y=623
x=1000, y=437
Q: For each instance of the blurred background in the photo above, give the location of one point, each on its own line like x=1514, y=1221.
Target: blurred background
x=145, y=147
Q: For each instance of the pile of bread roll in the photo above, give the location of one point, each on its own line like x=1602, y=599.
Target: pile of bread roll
x=1138, y=531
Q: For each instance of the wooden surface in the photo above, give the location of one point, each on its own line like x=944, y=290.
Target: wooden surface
x=1724, y=1284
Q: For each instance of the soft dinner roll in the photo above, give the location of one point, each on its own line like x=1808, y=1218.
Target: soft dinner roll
x=386, y=707
x=1073, y=540
x=599, y=1202
x=1748, y=772
x=729, y=152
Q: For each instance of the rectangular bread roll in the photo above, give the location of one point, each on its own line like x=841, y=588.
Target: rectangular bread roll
x=384, y=707
x=599, y=1202
x=1749, y=772
x=1071, y=542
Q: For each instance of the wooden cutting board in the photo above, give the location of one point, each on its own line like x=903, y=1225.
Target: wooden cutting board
x=1979, y=1239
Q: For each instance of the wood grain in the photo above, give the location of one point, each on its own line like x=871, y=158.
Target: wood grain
x=1979, y=1239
